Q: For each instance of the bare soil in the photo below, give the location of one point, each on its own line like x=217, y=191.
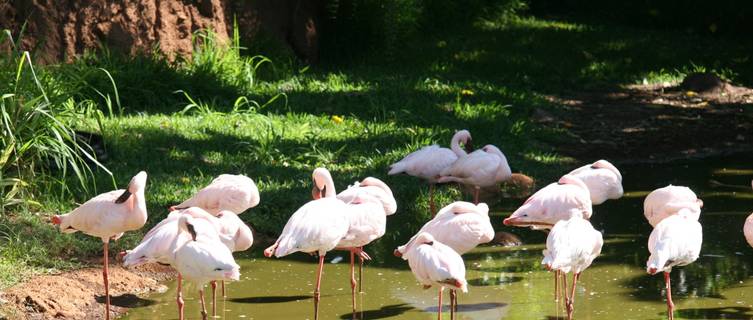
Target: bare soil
x=79, y=294
x=652, y=123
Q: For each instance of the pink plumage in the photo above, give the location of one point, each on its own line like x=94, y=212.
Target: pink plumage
x=427, y=162
x=603, y=180
x=558, y=201
x=664, y=202
x=482, y=168
x=236, y=193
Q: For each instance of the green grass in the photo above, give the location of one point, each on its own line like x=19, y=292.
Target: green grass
x=389, y=106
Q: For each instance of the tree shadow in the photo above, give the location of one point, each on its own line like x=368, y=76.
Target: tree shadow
x=382, y=312
x=270, y=299
x=127, y=301
x=469, y=307
x=493, y=281
x=716, y=313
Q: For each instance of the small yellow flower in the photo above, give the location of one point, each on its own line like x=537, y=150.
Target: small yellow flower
x=713, y=28
x=691, y=93
x=185, y=179
x=337, y=119
x=466, y=92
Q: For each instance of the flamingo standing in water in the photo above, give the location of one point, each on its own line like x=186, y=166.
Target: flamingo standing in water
x=202, y=258
x=571, y=246
x=480, y=169
x=434, y=263
x=235, y=193
x=108, y=216
x=569, y=197
x=664, y=202
x=675, y=241
x=461, y=226
x=428, y=162
x=603, y=180
x=317, y=227
x=369, y=203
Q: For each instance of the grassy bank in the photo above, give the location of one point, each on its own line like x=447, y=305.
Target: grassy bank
x=354, y=117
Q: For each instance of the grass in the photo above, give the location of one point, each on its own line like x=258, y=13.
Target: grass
x=354, y=117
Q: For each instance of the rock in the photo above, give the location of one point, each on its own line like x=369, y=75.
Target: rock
x=703, y=83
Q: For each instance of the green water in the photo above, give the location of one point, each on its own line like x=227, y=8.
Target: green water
x=509, y=283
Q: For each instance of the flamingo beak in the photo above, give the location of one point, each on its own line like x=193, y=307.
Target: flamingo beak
x=316, y=193
x=469, y=145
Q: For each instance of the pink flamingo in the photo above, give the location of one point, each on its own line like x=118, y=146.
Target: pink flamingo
x=369, y=203
x=571, y=246
x=480, y=169
x=569, y=197
x=434, y=263
x=235, y=193
x=202, y=258
x=675, y=241
x=664, y=202
x=428, y=162
x=317, y=227
x=108, y=216
x=748, y=229
x=603, y=180
x=461, y=226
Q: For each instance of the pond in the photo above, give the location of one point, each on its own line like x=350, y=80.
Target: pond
x=509, y=283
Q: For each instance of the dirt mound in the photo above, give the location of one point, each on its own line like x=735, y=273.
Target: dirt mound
x=79, y=294
x=57, y=30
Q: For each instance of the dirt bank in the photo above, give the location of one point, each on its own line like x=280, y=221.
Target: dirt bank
x=651, y=123
x=79, y=294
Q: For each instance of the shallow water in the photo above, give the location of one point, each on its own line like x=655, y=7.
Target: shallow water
x=509, y=283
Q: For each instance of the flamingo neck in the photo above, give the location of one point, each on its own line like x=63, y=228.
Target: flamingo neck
x=455, y=144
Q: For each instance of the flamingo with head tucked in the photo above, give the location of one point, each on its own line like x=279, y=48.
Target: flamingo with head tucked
x=571, y=246
x=369, y=203
x=235, y=193
x=675, y=241
x=664, y=202
x=482, y=168
x=603, y=180
x=317, y=227
x=428, y=162
x=434, y=263
x=107, y=216
x=461, y=226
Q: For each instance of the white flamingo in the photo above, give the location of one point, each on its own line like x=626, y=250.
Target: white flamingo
x=664, y=202
x=235, y=193
x=603, y=180
x=428, y=162
x=108, y=216
x=480, y=169
x=369, y=203
x=202, y=258
x=461, y=226
x=571, y=246
x=316, y=227
x=675, y=241
x=434, y=263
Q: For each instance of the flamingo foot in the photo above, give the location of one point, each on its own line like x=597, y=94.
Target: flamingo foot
x=270, y=251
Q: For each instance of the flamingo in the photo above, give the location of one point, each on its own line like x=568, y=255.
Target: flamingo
x=603, y=180
x=108, y=216
x=664, y=202
x=369, y=203
x=675, y=241
x=434, y=263
x=202, y=258
x=481, y=168
x=235, y=193
x=748, y=229
x=571, y=246
x=428, y=162
x=461, y=226
x=569, y=197
x=316, y=227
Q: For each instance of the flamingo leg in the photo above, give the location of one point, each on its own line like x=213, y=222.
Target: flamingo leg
x=476, y=190
x=179, y=299
x=556, y=285
x=564, y=288
x=453, y=303
x=223, y=289
x=432, y=210
x=353, y=281
x=439, y=308
x=670, y=304
x=360, y=273
x=214, y=298
x=571, y=298
x=317, y=293
x=203, y=304
x=107, y=283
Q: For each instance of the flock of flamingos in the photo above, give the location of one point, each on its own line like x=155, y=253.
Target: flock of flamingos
x=199, y=235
